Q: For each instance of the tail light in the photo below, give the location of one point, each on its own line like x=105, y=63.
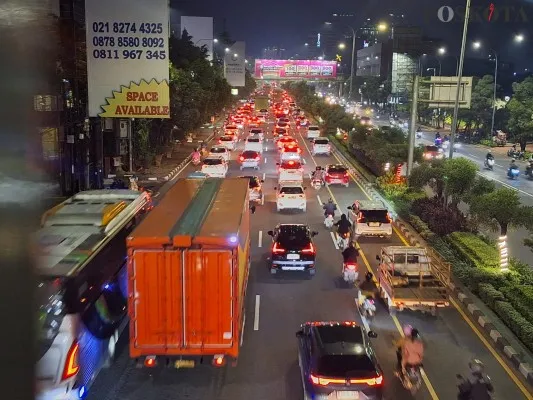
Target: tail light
x=219, y=141
x=257, y=158
x=241, y=158
x=309, y=249
x=377, y=381
x=277, y=249
x=219, y=360
x=150, y=362
x=389, y=219
x=72, y=365
x=318, y=380
x=299, y=150
x=346, y=175
x=352, y=267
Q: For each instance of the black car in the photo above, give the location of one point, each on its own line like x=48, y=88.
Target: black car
x=337, y=361
x=293, y=248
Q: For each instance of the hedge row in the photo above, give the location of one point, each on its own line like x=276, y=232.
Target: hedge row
x=516, y=322
x=474, y=249
x=421, y=227
x=521, y=297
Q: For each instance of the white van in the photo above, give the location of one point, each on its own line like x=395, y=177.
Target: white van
x=321, y=146
x=254, y=144
x=313, y=132
x=370, y=218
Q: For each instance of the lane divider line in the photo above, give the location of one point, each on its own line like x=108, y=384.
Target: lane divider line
x=264, y=175
x=333, y=237
x=256, y=316
x=260, y=239
x=319, y=200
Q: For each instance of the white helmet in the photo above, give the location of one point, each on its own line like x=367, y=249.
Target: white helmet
x=407, y=329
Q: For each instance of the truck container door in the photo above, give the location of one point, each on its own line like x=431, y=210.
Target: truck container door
x=208, y=298
x=157, y=304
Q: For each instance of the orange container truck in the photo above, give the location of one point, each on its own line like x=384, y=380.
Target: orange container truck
x=188, y=264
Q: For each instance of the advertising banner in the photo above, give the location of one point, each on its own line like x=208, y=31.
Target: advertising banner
x=295, y=69
x=127, y=58
x=235, y=65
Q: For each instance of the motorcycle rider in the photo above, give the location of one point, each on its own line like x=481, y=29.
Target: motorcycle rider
x=477, y=387
x=512, y=164
x=196, y=156
x=329, y=208
x=410, y=352
x=489, y=155
x=343, y=225
x=318, y=174
x=350, y=254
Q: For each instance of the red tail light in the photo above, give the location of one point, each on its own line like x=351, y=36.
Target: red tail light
x=291, y=162
x=309, y=249
x=150, y=362
x=219, y=141
x=346, y=175
x=318, y=380
x=377, y=381
x=277, y=249
x=352, y=267
x=389, y=219
x=241, y=158
x=71, y=364
x=258, y=158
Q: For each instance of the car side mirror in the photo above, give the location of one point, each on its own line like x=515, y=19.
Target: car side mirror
x=378, y=258
x=270, y=233
x=372, y=334
x=252, y=209
x=299, y=334
x=350, y=208
x=262, y=181
x=314, y=233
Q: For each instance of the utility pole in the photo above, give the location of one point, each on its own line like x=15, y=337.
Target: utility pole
x=412, y=128
x=352, y=65
x=459, y=76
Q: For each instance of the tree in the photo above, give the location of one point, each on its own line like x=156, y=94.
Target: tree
x=249, y=86
x=459, y=175
x=480, y=112
x=370, y=88
x=521, y=111
x=432, y=175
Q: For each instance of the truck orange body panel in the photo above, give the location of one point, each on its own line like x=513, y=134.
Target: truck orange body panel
x=188, y=264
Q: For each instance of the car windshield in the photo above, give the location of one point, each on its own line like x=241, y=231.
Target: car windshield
x=290, y=149
x=381, y=216
x=314, y=128
x=231, y=127
x=249, y=154
x=212, y=161
x=263, y=110
x=253, y=140
x=336, y=169
x=321, y=141
x=282, y=124
x=346, y=366
x=291, y=190
x=291, y=236
x=432, y=148
x=226, y=138
x=281, y=131
x=291, y=165
x=218, y=150
x=255, y=131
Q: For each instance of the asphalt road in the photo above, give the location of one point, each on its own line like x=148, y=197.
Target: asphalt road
x=267, y=367
x=522, y=185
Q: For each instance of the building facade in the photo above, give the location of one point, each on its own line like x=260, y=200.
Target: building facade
x=273, y=53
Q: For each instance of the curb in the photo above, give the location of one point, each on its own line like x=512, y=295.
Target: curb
x=477, y=316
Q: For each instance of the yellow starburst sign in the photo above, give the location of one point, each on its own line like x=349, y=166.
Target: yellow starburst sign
x=143, y=100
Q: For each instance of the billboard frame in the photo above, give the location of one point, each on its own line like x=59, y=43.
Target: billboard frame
x=280, y=72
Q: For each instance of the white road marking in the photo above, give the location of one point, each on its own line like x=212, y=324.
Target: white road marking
x=256, y=316
x=155, y=195
x=319, y=200
x=334, y=238
x=243, y=327
x=265, y=160
x=260, y=240
x=264, y=174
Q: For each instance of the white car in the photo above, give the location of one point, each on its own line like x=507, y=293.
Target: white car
x=290, y=171
x=231, y=130
x=284, y=120
x=220, y=151
x=250, y=159
x=290, y=152
x=254, y=144
x=257, y=132
x=228, y=142
x=291, y=196
x=313, y=132
x=321, y=146
x=215, y=167
x=283, y=125
x=263, y=112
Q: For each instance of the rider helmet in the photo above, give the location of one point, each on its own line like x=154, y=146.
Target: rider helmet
x=407, y=329
x=476, y=366
x=490, y=151
x=414, y=333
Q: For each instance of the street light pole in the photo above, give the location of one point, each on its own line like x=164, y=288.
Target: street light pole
x=352, y=65
x=494, y=92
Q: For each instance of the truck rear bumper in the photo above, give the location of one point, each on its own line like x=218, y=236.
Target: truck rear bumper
x=182, y=362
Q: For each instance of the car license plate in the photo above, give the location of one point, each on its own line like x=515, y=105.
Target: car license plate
x=292, y=268
x=349, y=395
x=293, y=256
x=184, y=364
x=374, y=224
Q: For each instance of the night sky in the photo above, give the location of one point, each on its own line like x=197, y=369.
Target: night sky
x=288, y=24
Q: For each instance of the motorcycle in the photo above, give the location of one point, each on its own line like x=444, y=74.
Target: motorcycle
x=489, y=163
x=350, y=272
x=438, y=142
x=343, y=241
x=196, y=159
x=328, y=221
x=316, y=184
x=513, y=173
x=529, y=172
x=411, y=379
x=516, y=154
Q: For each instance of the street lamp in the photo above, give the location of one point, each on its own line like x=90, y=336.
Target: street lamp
x=235, y=55
x=215, y=40
x=226, y=49
x=382, y=27
x=306, y=44
x=519, y=38
x=477, y=45
x=434, y=70
x=342, y=46
x=441, y=51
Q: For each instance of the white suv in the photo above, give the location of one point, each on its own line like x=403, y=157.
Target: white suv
x=215, y=167
x=254, y=144
x=313, y=132
x=291, y=196
x=219, y=151
x=321, y=146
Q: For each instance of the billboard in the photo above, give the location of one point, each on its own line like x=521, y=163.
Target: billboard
x=127, y=58
x=201, y=30
x=295, y=69
x=235, y=65
x=443, y=91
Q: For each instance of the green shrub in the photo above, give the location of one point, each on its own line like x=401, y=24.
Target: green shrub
x=521, y=297
x=421, y=227
x=524, y=271
x=489, y=294
x=474, y=249
x=516, y=322
x=487, y=142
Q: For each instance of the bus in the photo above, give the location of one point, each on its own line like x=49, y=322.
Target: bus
x=82, y=287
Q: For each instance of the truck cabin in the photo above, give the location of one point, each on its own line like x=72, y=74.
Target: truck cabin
x=405, y=261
